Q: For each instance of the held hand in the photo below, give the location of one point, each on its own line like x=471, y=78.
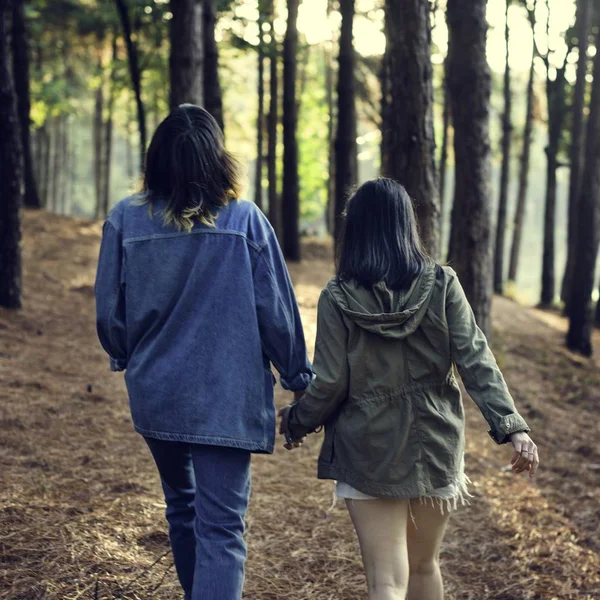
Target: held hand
x=283, y=428
x=525, y=457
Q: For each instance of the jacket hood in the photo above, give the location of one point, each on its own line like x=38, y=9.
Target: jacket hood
x=389, y=313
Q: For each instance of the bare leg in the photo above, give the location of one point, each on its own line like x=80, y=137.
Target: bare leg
x=381, y=528
x=424, y=543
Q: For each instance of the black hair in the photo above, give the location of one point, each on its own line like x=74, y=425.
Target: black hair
x=188, y=166
x=380, y=241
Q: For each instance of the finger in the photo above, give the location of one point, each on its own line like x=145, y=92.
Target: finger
x=518, y=449
x=521, y=463
x=288, y=446
x=535, y=464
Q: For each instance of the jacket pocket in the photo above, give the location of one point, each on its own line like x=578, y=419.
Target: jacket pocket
x=378, y=437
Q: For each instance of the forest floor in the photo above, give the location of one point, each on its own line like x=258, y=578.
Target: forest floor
x=81, y=511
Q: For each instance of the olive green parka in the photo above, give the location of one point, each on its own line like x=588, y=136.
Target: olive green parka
x=385, y=387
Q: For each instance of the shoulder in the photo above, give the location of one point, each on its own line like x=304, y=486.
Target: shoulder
x=116, y=216
x=247, y=218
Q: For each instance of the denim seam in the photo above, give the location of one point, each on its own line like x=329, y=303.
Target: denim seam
x=162, y=236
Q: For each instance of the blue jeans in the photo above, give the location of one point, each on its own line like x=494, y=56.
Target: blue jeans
x=207, y=489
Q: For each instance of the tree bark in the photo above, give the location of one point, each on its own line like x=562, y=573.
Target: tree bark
x=583, y=22
x=505, y=169
x=11, y=183
x=46, y=198
x=20, y=54
x=579, y=337
x=408, y=126
x=272, y=120
x=346, y=161
x=136, y=76
x=213, y=96
x=469, y=89
x=329, y=83
x=444, y=151
x=108, y=132
x=98, y=138
x=524, y=167
x=291, y=185
x=58, y=166
x=65, y=175
x=555, y=91
x=185, y=60
x=260, y=119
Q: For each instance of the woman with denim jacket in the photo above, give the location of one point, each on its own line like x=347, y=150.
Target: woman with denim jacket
x=194, y=303
x=392, y=326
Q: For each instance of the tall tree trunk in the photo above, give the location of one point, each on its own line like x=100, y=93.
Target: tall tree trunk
x=346, y=162
x=108, y=132
x=291, y=185
x=213, y=96
x=469, y=89
x=579, y=337
x=272, y=120
x=523, y=176
x=409, y=124
x=260, y=120
x=71, y=167
x=21, y=78
x=135, y=74
x=444, y=151
x=47, y=197
x=329, y=83
x=41, y=161
x=98, y=138
x=58, y=166
x=555, y=91
x=583, y=23
x=185, y=60
x=129, y=144
x=11, y=182
x=65, y=176
x=505, y=169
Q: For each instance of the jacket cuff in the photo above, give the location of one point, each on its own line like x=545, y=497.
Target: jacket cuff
x=298, y=383
x=508, y=425
x=117, y=364
x=295, y=430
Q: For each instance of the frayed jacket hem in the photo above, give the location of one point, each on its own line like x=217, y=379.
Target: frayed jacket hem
x=256, y=447
x=411, y=490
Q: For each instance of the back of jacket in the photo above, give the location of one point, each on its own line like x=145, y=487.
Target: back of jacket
x=385, y=386
x=196, y=318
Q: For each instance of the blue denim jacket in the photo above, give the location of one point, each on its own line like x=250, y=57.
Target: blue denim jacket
x=196, y=319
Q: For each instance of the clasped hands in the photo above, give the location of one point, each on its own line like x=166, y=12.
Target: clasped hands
x=284, y=414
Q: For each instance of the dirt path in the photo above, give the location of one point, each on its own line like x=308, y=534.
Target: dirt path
x=80, y=505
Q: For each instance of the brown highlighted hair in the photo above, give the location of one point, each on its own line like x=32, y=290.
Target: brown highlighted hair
x=188, y=168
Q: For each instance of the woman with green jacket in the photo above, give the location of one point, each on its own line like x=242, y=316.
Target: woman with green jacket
x=392, y=325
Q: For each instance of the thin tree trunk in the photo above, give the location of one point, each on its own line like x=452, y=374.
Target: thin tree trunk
x=555, y=90
x=213, y=96
x=129, y=144
x=260, y=120
x=409, y=124
x=583, y=23
x=72, y=168
x=108, y=132
x=505, y=169
x=42, y=168
x=185, y=60
x=47, y=197
x=444, y=152
x=20, y=54
x=469, y=89
x=58, y=165
x=272, y=120
x=579, y=337
x=136, y=76
x=346, y=161
x=64, y=161
x=523, y=175
x=329, y=83
x=99, y=142
x=291, y=185
x=11, y=182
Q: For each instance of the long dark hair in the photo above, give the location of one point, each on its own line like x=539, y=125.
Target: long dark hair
x=188, y=166
x=380, y=241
